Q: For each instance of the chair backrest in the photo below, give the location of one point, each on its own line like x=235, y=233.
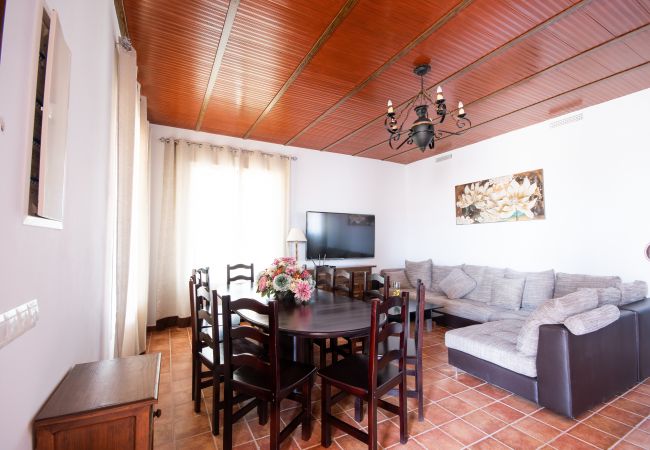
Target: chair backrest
x=419, y=316
x=202, y=275
x=249, y=273
x=379, y=334
x=325, y=277
x=344, y=283
x=193, y=286
x=268, y=368
x=205, y=313
x=376, y=286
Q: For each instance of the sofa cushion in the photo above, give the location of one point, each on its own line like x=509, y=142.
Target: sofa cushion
x=632, y=292
x=607, y=296
x=399, y=276
x=495, y=342
x=438, y=273
x=419, y=270
x=503, y=314
x=468, y=309
x=507, y=293
x=553, y=311
x=457, y=284
x=538, y=287
x=484, y=277
x=566, y=283
x=593, y=320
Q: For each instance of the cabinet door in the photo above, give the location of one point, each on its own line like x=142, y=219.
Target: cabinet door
x=55, y=124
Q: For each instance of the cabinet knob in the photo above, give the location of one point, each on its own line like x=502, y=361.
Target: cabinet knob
x=157, y=413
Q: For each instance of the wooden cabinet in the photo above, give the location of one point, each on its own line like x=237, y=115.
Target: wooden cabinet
x=102, y=405
x=361, y=273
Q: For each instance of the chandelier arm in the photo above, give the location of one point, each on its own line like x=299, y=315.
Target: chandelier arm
x=407, y=108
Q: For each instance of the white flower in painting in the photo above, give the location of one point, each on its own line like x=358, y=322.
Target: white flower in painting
x=474, y=194
x=519, y=197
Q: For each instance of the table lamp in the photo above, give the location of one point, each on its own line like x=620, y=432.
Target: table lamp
x=296, y=235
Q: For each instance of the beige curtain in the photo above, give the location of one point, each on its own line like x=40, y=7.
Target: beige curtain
x=131, y=259
x=220, y=205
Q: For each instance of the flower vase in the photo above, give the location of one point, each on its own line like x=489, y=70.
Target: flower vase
x=285, y=296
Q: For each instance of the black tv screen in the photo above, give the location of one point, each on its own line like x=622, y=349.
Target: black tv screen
x=340, y=235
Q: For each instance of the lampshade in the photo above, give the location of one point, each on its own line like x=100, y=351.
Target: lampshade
x=296, y=235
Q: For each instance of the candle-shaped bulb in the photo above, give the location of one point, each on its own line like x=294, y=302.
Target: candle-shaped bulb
x=439, y=96
x=461, y=110
x=390, y=107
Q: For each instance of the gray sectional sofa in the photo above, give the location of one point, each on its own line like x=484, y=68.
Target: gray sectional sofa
x=565, y=341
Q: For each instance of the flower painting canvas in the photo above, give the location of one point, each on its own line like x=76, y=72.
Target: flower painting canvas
x=504, y=199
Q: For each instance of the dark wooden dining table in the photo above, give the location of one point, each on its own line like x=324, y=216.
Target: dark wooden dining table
x=325, y=315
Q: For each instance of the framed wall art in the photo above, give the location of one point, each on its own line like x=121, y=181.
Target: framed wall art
x=510, y=198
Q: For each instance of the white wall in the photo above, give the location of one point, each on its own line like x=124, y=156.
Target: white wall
x=596, y=183
x=320, y=181
x=63, y=269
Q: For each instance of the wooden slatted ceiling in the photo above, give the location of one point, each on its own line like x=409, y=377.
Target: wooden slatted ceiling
x=318, y=74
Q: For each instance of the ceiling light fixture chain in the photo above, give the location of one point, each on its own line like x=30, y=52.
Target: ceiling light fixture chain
x=423, y=131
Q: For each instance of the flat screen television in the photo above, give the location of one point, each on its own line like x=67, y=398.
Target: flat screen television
x=340, y=235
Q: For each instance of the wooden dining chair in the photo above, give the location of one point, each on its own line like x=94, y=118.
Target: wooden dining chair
x=248, y=268
x=324, y=277
x=369, y=377
x=413, y=349
x=268, y=379
x=199, y=277
x=344, y=283
x=376, y=286
x=210, y=354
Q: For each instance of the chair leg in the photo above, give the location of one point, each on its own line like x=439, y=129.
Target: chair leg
x=403, y=412
x=326, y=406
x=419, y=387
x=262, y=412
x=193, y=375
x=372, y=424
x=323, y=354
x=275, y=425
x=306, y=409
x=216, y=399
x=227, y=414
x=196, y=388
x=358, y=409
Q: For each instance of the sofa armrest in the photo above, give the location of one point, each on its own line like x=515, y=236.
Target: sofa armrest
x=641, y=309
x=575, y=373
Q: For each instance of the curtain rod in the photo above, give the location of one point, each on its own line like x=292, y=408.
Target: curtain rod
x=201, y=144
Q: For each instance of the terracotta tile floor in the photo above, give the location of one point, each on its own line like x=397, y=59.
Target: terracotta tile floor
x=461, y=412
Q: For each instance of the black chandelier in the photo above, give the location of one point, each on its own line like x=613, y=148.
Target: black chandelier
x=422, y=131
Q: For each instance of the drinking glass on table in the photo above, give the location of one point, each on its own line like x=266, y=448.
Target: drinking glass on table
x=396, y=291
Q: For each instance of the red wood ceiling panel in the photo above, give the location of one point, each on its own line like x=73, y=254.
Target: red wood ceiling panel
x=372, y=33
x=478, y=30
x=619, y=16
x=268, y=41
x=617, y=56
x=175, y=41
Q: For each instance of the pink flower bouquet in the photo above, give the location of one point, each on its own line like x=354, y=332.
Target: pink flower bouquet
x=285, y=277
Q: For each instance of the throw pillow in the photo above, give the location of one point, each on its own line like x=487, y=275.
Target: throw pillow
x=607, y=296
x=538, y=288
x=507, y=293
x=574, y=303
x=528, y=337
x=484, y=277
x=438, y=273
x=593, y=320
x=555, y=310
x=419, y=270
x=632, y=292
x=566, y=283
x=457, y=284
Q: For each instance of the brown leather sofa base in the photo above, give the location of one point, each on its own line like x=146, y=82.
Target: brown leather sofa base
x=507, y=379
x=574, y=373
x=642, y=311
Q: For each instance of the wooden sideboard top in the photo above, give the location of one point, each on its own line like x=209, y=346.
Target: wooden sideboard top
x=101, y=384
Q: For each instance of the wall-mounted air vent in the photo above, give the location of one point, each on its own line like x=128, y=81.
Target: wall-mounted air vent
x=566, y=120
x=443, y=157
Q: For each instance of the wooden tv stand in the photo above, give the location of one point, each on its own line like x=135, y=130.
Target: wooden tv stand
x=358, y=280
